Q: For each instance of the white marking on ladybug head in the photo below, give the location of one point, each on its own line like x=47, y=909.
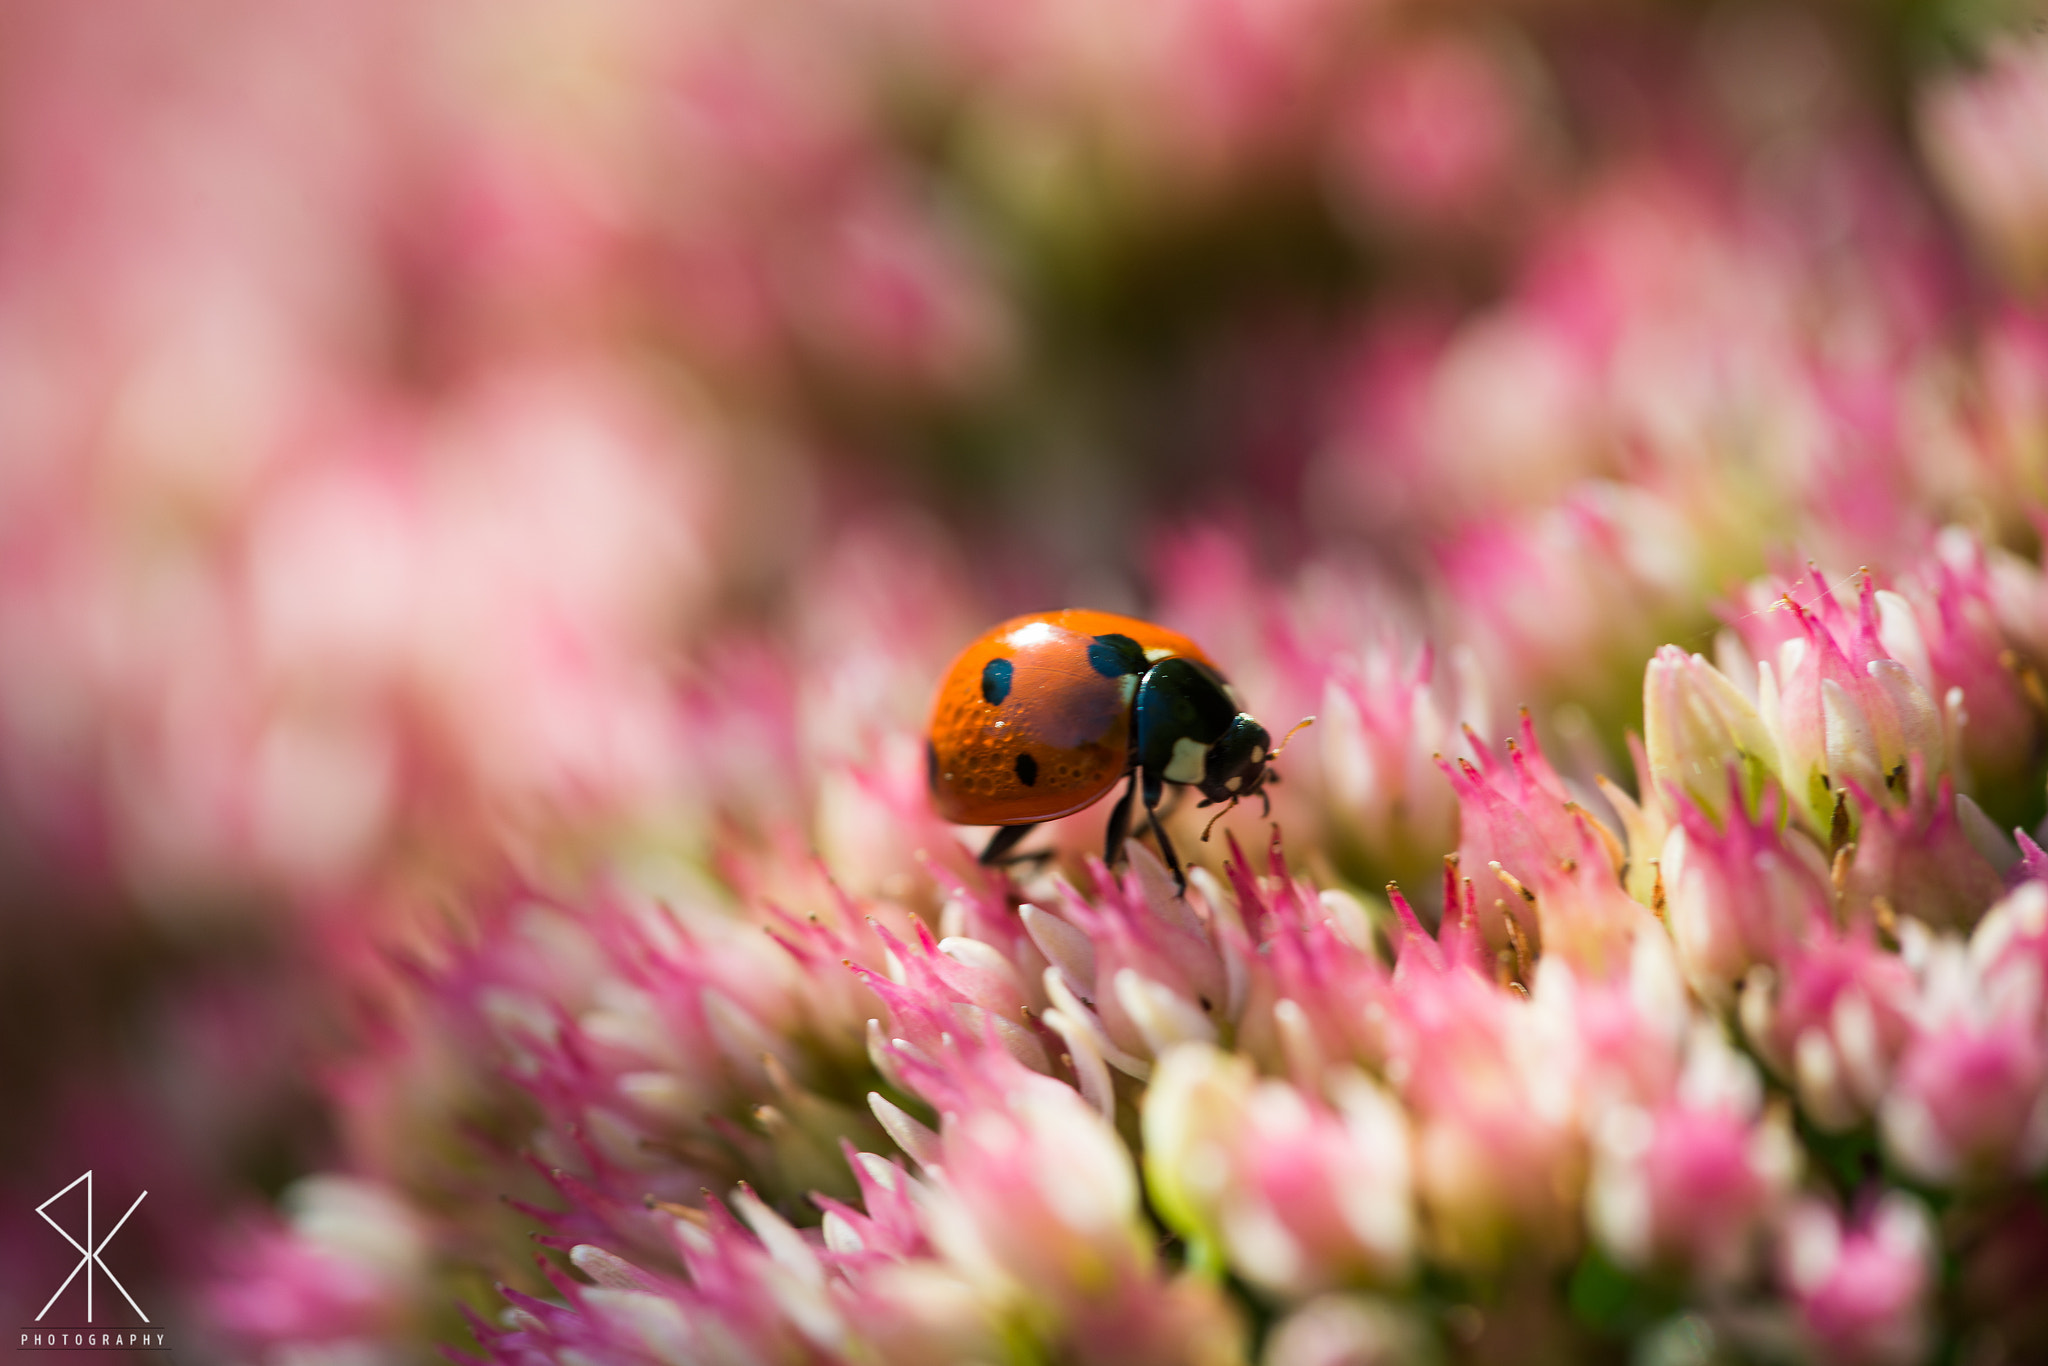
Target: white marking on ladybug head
x=1157, y=653
x=1258, y=754
x=1233, y=783
x=1189, y=757
x=1128, y=686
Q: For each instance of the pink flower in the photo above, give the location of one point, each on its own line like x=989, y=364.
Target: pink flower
x=1490, y=1095
x=1693, y=1183
x=1432, y=131
x=758, y=1288
x=1229, y=77
x=1862, y=1288
x=1969, y=1102
x=1831, y=1016
x=412, y=628
x=1843, y=710
x=1741, y=895
x=1546, y=598
x=1518, y=821
x=1034, y=1193
x=1697, y=726
x=347, y=1272
x=2009, y=947
x=1378, y=725
x=1140, y=969
x=2012, y=362
x=1317, y=989
x=1979, y=130
x=1297, y=1192
x=1967, y=1105
x=1514, y=812
x=1927, y=857
x=1029, y=1196
x=1348, y=1330
x=1954, y=611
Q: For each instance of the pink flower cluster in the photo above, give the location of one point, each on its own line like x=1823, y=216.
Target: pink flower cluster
x=952, y=1112
x=1317, y=1118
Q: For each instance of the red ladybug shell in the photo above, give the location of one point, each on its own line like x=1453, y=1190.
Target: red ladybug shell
x=1050, y=737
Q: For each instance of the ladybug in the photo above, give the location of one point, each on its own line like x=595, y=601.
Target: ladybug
x=1043, y=714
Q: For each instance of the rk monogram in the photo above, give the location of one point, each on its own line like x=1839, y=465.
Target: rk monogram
x=88, y=1251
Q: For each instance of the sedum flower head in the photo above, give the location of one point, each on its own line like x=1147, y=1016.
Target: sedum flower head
x=1844, y=712
x=1861, y=1285
x=1741, y=895
x=1298, y=1192
x=1697, y=726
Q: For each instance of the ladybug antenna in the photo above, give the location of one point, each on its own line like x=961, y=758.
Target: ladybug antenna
x=1298, y=726
x=1217, y=817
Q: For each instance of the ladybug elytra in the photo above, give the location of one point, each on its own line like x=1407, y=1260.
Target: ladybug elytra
x=1044, y=713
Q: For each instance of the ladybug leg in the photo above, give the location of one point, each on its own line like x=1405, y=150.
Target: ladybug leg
x=1000, y=844
x=1120, y=823
x=1153, y=792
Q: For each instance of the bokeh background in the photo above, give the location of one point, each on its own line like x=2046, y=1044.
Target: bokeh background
x=450, y=446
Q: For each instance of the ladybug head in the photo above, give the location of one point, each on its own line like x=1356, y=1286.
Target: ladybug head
x=1239, y=764
x=1236, y=764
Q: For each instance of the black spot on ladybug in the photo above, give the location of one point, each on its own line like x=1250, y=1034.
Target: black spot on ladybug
x=995, y=681
x=931, y=766
x=1027, y=770
x=1113, y=656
